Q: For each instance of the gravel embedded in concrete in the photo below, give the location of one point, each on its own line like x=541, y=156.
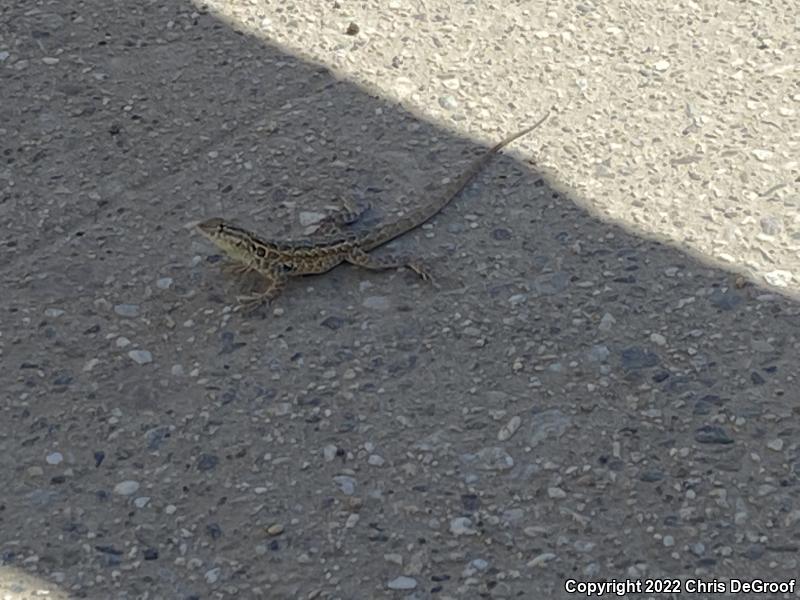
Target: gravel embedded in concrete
x=601, y=381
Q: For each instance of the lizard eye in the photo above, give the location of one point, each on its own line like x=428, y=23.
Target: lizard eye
x=286, y=268
x=260, y=251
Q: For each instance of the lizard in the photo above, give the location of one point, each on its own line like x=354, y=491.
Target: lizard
x=278, y=260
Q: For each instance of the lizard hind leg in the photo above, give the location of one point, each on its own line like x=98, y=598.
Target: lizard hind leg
x=337, y=221
x=349, y=213
x=365, y=260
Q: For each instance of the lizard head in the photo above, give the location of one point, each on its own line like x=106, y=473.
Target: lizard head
x=235, y=242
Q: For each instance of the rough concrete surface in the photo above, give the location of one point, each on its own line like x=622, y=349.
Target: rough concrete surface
x=602, y=382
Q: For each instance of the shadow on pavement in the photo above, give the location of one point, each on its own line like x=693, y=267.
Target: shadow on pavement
x=571, y=401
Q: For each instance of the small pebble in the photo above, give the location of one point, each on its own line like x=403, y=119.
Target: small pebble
x=54, y=458
x=126, y=488
x=127, y=310
x=448, y=102
x=541, y=559
x=762, y=155
x=550, y=423
x=164, y=283
x=479, y=564
x=141, y=357
x=517, y=299
x=712, y=434
x=501, y=234
x=212, y=575
x=776, y=444
x=207, y=462
x=509, y=429
x=771, y=225
x=462, y=526
x=451, y=83
x=333, y=322
x=329, y=452
x=635, y=358
x=779, y=278
x=352, y=521
x=346, y=484
x=513, y=515
x=307, y=217
x=599, y=353
x=727, y=300
x=376, y=460
x=402, y=583
x=606, y=322
x=492, y=458
x=376, y=302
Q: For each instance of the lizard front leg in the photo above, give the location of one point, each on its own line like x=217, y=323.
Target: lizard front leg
x=237, y=268
x=358, y=257
x=276, y=280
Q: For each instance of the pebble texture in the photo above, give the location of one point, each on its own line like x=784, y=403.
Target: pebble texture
x=583, y=393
